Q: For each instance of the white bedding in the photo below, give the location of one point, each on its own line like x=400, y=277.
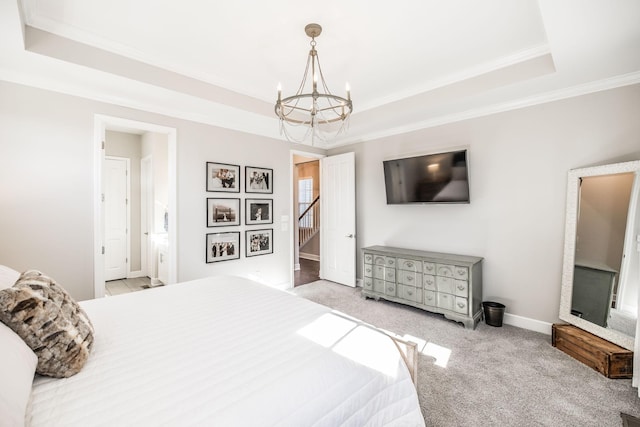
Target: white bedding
x=226, y=351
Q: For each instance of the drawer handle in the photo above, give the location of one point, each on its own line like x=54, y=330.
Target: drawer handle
x=429, y=297
x=410, y=278
x=461, y=288
x=444, y=296
x=390, y=289
x=409, y=264
x=410, y=292
x=461, y=305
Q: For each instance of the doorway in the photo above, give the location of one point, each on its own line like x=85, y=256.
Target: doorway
x=306, y=218
x=150, y=202
x=337, y=232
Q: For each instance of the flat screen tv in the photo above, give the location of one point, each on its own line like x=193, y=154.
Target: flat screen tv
x=431, y=178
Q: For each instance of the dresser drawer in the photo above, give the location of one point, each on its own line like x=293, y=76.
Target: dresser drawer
x=445, y=270
x=368, y=270
x=461, y=273
x=390, y=288
x=410, y=293
x=368, y=258
x=460, y=306
x=409, y=278
x=429, y=282
x=378, y=286
x=445, y=301
x=367, y=283
x=409, y=265
x=428, y=267
x=430, y=298
x=445, y=284
x=461, y=288
x=378, y=272
x=390, y=274
x=378, y=259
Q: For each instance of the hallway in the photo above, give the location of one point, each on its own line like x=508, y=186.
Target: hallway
x=309, y=272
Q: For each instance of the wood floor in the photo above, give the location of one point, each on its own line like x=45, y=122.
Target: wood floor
x=309, y=272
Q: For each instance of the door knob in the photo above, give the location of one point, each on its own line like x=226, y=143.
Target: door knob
x=351, y=236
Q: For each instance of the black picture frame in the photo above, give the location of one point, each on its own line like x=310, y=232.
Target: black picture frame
x=258, y=180
x=223, y=212
x=258, y=211
x=258, y=242
x=222, y=246
x=223, y=177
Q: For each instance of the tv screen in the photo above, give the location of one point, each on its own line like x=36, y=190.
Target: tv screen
x=432, y=178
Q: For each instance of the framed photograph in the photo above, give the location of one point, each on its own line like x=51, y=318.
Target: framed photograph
x=259, y=242
x=223, y=177
x=222, y=212
x=258, y=211
x=258, y=180
x=223, y=246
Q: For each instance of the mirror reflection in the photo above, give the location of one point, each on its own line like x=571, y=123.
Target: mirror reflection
x=601, y=268
x=603, y=293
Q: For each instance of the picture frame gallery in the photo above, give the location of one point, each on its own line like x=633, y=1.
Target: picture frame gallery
x=226, y=211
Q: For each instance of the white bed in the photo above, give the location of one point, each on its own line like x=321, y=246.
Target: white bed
x=227, y=351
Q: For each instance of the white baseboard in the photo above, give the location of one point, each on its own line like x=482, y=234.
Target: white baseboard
x=311, y=257
x=135, y=274
x=527, y=323
x=358, y=283
x=296, y=267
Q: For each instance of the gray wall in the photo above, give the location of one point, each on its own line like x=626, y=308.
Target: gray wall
x=518, y=172
x=47, y=176
x=518, y=168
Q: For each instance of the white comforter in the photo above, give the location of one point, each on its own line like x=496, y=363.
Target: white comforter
x=227, y=351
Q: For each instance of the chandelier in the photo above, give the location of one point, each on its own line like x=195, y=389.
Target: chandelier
x=317, y=113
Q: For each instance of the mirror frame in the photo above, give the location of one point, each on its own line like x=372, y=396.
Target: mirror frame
x=570, y=248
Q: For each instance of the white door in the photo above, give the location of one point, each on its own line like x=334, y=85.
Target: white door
x=338, y=230
x=115, y=220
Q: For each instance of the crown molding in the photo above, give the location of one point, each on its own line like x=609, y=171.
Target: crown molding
x=479, y=70
x=550, y=96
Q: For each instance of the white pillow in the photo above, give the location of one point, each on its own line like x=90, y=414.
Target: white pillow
x=17, y=369
x=8, y=277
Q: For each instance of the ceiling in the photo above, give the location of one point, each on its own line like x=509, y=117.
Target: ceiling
x=418, y=64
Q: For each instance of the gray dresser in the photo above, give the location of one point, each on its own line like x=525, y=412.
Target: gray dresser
x=440, y=283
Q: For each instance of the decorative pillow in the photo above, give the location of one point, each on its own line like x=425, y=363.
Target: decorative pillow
x=50, y=322
x=16, y=370
x=8, y=277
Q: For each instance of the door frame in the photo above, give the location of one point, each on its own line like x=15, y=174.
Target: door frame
x=102, y=123
x=146, y=201
x=293, y=211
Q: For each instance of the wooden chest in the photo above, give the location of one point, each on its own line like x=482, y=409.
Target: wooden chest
x=605, y=357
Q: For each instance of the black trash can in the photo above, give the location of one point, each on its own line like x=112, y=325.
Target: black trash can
x=493, y=313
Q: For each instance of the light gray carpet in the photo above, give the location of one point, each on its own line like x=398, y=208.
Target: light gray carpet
x=503, y=376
